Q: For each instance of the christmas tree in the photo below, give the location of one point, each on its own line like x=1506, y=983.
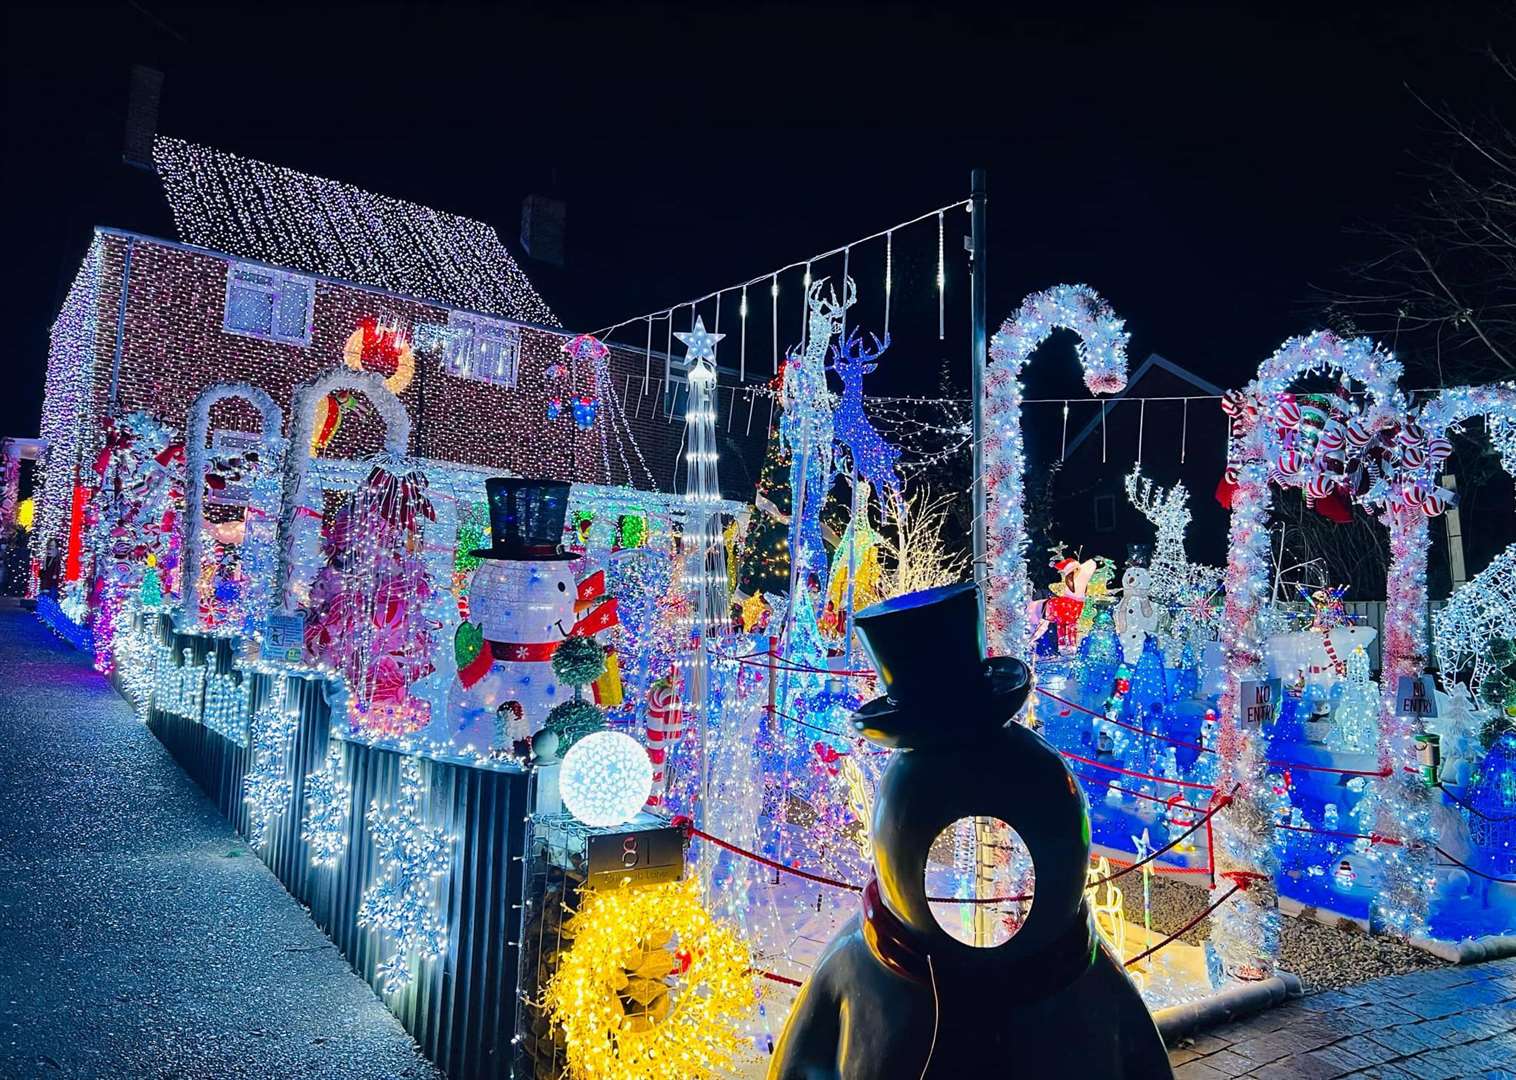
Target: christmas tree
x=1355, y=724
x=766, y=551
x=1146, y=694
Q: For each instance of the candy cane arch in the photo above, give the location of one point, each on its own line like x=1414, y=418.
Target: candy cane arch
x=397, y=439
x=1245, y=932
x=1408, y=497
x=1102, y=354
x=259, y=546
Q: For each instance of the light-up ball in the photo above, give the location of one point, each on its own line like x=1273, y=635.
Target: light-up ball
x=605, y=778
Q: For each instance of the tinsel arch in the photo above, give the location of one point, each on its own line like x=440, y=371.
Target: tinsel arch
x=1102, y=354
x=397, y=438
x=1245, y=931
x=1408, y=498
x=263, y=510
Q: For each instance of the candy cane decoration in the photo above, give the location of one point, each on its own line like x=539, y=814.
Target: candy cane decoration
x=665, y=724
x=1266, y=448
x=1102, y=353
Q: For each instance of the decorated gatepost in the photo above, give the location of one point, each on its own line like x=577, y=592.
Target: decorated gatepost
x=1269, y=446
x=1408, y=462
x=1102, y=354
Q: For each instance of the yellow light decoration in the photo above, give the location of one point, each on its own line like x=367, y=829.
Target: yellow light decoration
x=24, y=511
x=614, y=932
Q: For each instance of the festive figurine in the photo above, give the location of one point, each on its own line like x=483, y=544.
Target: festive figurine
x=1136, y=615
x=895, y=996
x=1067, y=603
x=521, y=605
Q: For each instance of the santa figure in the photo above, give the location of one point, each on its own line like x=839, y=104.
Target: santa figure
x=522, y=602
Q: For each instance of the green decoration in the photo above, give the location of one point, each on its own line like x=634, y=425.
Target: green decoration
x=633, y=531
x=473, y=535
x=578, y=661
x=152, y=588
x=572, y=721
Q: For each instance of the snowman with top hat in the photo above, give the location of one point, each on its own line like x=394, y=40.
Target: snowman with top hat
x=521, y=605
x=896, y=996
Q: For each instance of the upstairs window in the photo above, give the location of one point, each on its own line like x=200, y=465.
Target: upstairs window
x=269, y=304
x=479, y=348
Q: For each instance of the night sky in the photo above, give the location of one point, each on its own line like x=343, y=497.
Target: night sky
x=1204, y=169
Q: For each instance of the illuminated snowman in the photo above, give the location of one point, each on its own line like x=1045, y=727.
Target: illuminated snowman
x=521, y=605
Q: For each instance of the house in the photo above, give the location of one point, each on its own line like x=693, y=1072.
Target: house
x=1166, y=417
x=278, y=277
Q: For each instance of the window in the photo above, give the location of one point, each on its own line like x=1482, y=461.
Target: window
x=269, y=304
x=475, y=347
x=1105, y=513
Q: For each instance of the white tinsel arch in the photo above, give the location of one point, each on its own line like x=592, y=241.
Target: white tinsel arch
x=1483, y=608
x=1243, y=930
x=397, y=438
x=258, y=547
x=1102, y=354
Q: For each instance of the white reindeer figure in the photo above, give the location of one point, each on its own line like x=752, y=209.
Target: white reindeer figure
x=807, y=429
x=1481, y=610
x=1177, y=583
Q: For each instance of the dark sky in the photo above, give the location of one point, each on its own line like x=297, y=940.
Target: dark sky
x=1202, y=168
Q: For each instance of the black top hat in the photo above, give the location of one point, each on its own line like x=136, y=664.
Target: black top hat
x=526, y=520
x=939, y=687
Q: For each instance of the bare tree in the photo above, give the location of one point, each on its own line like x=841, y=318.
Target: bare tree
x=917, y=554
x=1445, y=288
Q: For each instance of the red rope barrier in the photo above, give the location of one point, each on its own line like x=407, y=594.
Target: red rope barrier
x=1455, y=861
x=1373, y=838
x=785, y=979
x=1456, y=801
x=1137, y=775
x=1185, y=929
x=1123, y=724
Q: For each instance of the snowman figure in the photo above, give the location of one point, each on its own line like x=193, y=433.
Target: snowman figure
x=1136, y=615
x=895, y=996
x=521, y=605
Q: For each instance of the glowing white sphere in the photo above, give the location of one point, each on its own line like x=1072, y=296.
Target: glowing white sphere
x=605, y=778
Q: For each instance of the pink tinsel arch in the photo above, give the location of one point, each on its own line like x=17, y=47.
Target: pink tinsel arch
x=1102, y=354
x=1244, y=932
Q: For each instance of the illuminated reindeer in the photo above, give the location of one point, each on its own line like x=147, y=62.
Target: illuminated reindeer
x=1179, y=586
x=873, y=457
x=807, y=430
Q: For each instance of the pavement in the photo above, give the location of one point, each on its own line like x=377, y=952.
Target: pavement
x=139, y=935
x=1446, y=1022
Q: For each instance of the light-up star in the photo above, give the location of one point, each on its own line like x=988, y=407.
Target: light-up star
x=701, y=345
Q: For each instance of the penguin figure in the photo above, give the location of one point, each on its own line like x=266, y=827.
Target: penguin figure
x=894, y=996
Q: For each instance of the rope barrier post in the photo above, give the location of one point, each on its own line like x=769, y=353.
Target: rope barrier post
x=773, y=705
x=1210, y=846
x=978, y=361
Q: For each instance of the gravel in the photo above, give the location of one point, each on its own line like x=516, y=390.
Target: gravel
x=141, y=936
x=1324, y=957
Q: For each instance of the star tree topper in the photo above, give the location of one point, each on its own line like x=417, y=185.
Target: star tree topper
x=701, y=344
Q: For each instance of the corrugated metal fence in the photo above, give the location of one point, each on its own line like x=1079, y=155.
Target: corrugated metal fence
x=461, y=1007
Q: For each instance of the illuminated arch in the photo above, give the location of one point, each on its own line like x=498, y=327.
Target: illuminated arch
x=1244, y=833
x=258, y=546
x=1102, y=354
x=397, y=438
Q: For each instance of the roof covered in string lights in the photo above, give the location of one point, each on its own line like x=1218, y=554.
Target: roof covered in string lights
x=276, y=215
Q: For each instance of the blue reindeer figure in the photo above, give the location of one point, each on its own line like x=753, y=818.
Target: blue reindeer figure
x=872, y=455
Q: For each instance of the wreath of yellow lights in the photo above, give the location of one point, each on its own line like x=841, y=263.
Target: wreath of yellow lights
x=611, y=932
x=405, y=367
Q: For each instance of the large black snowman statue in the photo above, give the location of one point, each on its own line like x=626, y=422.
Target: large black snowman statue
x=895, y=997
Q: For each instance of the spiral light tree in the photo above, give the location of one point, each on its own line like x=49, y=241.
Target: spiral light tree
x=1270, y=446
x=1102, y=354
